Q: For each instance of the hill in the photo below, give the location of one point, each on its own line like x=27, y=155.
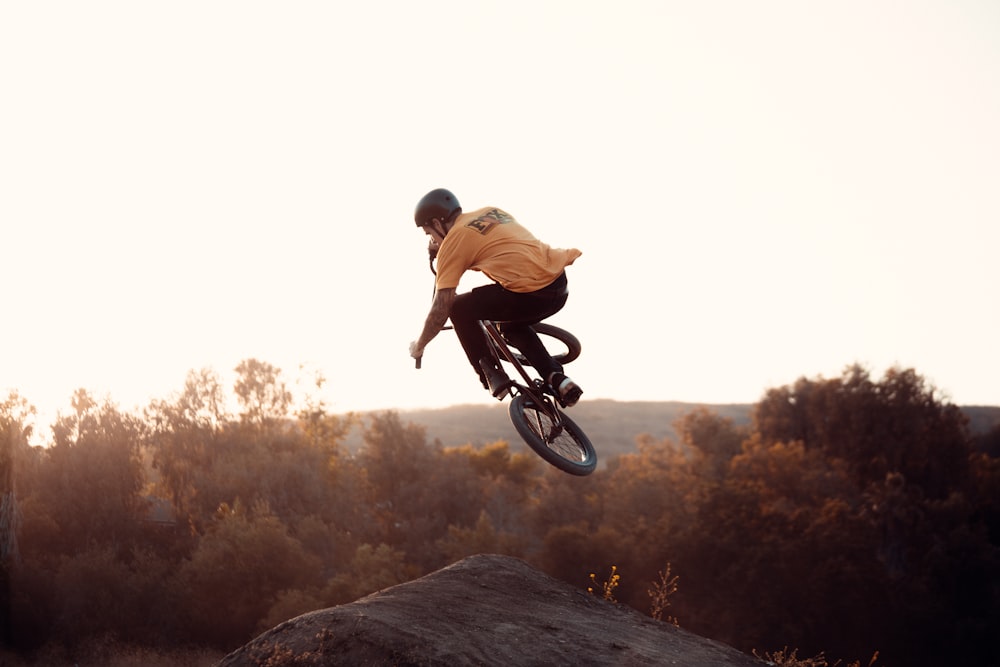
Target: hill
x=611, y=425
x=483, y=610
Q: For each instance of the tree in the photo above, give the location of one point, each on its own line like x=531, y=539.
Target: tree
x=14, y=434
x=320, y=427
x=183, y=434
x=504, y=485
x=93, y=477
x=234, y=577
x=483, y=538
x=898, y=425
x=371, y=569
x=712, y=435
x=261, y=392
x=398, y=462
x=989, y=442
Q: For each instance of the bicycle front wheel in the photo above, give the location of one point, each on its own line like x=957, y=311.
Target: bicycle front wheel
x=565, y=446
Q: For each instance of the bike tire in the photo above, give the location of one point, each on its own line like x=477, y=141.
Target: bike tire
x=567, y=340
x=570, y=451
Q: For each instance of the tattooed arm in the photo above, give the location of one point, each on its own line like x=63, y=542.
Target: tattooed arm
x=436, y=318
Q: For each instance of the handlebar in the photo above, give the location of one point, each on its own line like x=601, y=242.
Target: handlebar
x=432, y=250
x=417, y=360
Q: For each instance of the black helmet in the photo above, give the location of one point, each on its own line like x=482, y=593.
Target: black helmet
x=440, y=204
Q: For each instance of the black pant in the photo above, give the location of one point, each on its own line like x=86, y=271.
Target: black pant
x=514, y=312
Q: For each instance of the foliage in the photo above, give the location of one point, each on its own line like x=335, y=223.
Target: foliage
x=786, y=658
x=261, y=392
x=851, y=513
x=659, y=595
x=898, y=426
x=14, y=433
x=608, y=586
x=372, y=568
x=247, y=559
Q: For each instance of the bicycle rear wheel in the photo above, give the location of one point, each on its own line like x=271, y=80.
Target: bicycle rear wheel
x=561, y=344
x=567, y=447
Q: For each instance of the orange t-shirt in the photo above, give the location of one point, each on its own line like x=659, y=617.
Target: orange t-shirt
x=492, y=241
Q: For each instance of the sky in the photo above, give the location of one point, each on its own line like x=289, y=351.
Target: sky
x=761, y=191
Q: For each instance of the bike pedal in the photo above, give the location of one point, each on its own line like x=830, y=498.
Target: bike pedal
x=572, y=397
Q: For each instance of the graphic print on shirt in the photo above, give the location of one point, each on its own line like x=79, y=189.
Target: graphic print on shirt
x=484, y=223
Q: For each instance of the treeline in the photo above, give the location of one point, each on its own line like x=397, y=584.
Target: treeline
x=852, y=515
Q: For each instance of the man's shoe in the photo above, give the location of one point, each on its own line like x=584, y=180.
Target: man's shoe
x=498, y=382
x=567, y=391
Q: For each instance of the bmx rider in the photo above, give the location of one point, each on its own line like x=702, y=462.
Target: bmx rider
x=529, y=285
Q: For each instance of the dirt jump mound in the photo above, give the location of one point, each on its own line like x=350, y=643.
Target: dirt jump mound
x=483, y=610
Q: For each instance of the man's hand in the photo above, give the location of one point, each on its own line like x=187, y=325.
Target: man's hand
x=435, y=320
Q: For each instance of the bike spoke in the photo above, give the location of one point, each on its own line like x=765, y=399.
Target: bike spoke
x=568, y=448
x=555, y=438
x=553, y=435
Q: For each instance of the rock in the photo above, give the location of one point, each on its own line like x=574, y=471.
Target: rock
x=483, y=610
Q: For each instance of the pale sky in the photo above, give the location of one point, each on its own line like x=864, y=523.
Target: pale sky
x=761, y=191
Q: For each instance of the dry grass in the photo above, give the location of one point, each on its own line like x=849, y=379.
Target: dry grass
x=786, y=658
x=608, y=587
x=659, y=596
x=110, y=653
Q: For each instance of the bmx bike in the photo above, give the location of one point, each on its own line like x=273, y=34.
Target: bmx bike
x=534, y=408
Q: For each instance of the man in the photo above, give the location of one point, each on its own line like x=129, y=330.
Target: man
x=529, y=286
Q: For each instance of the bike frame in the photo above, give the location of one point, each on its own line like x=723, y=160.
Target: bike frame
x=532, y=387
